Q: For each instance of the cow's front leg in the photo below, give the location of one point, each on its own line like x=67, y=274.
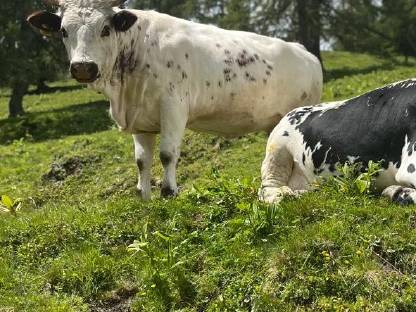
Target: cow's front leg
x=173, y=123
x=401, y=195
x=276, y=170
x=143, y=150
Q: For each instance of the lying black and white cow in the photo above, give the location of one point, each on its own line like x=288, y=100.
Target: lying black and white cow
x=310, y=141
x=164, y=74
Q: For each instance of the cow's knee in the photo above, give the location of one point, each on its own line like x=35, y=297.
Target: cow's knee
x=166, y=158
x=143, y=185
x=140, y=164
x=401, y=195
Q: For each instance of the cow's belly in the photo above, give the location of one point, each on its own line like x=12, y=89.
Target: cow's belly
x=386, y=178
x=237, y=112
x=234, y=123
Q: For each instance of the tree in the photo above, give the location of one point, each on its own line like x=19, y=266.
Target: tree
x=273, y=18
x=385, y=27
x=354, y=24
x=229, y=14
x=398, y=21
x=178, y=8
x=309, y=25
x=25, y=56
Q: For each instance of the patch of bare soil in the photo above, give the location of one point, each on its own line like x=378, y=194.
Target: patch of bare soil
x=63, y=168
x=116, y=301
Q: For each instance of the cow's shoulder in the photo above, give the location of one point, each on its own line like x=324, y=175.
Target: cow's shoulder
x=301, y=114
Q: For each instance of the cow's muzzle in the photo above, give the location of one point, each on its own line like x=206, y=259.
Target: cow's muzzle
x=84, y=72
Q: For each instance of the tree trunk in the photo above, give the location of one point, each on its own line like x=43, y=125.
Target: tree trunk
x=16, y=100
x=41, y=86
x=309, y=23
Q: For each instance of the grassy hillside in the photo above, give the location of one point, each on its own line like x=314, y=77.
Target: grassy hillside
x=214, y=248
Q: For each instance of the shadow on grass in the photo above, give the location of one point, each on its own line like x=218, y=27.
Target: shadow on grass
x=345, y=71
x=48, y=90
x=58, y=123
x=56, y=89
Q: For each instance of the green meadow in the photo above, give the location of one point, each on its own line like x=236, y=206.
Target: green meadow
x=214, y=247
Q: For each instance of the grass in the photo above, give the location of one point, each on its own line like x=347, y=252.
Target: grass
x=215, y=247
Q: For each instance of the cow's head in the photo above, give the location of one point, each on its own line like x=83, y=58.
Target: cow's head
x=89, y=30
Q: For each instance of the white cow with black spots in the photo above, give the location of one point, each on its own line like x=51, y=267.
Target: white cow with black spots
x=311, y=141
x=164, y=74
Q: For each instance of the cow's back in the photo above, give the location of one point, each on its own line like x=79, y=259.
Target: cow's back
x=235, y=82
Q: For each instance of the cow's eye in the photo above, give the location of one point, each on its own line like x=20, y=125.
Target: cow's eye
x=105, y=32
x=64, y=33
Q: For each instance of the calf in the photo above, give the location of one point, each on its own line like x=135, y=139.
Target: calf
x=164, y=74
x=311, y=141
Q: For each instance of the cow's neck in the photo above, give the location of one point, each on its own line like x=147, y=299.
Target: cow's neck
x=127, y=57
x=124, y=80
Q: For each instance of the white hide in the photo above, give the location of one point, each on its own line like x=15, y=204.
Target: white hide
x=237, y=107
x=166, y=74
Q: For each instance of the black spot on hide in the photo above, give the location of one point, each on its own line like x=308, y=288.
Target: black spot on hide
x=126, y=63
x=296, y=115
x=372, y=126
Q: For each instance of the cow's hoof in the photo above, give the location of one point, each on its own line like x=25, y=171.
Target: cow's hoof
x=144, y=194
x=274, y=195
x=406, y=197
x=392, y=191
x=167, y=192
x=401, y=195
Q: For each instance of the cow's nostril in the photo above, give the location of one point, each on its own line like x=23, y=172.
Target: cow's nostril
x=75, y=67
x=84, y=72
x=92, y=68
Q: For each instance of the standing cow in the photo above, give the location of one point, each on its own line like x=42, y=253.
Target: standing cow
x=310, y=142
x=164, y=74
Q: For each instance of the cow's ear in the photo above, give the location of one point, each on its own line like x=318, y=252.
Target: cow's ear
x=45, y=21
x=123, y=20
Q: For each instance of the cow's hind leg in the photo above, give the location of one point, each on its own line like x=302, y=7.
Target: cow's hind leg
x=401, y=195
x=276, y=171
x=143, y=151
